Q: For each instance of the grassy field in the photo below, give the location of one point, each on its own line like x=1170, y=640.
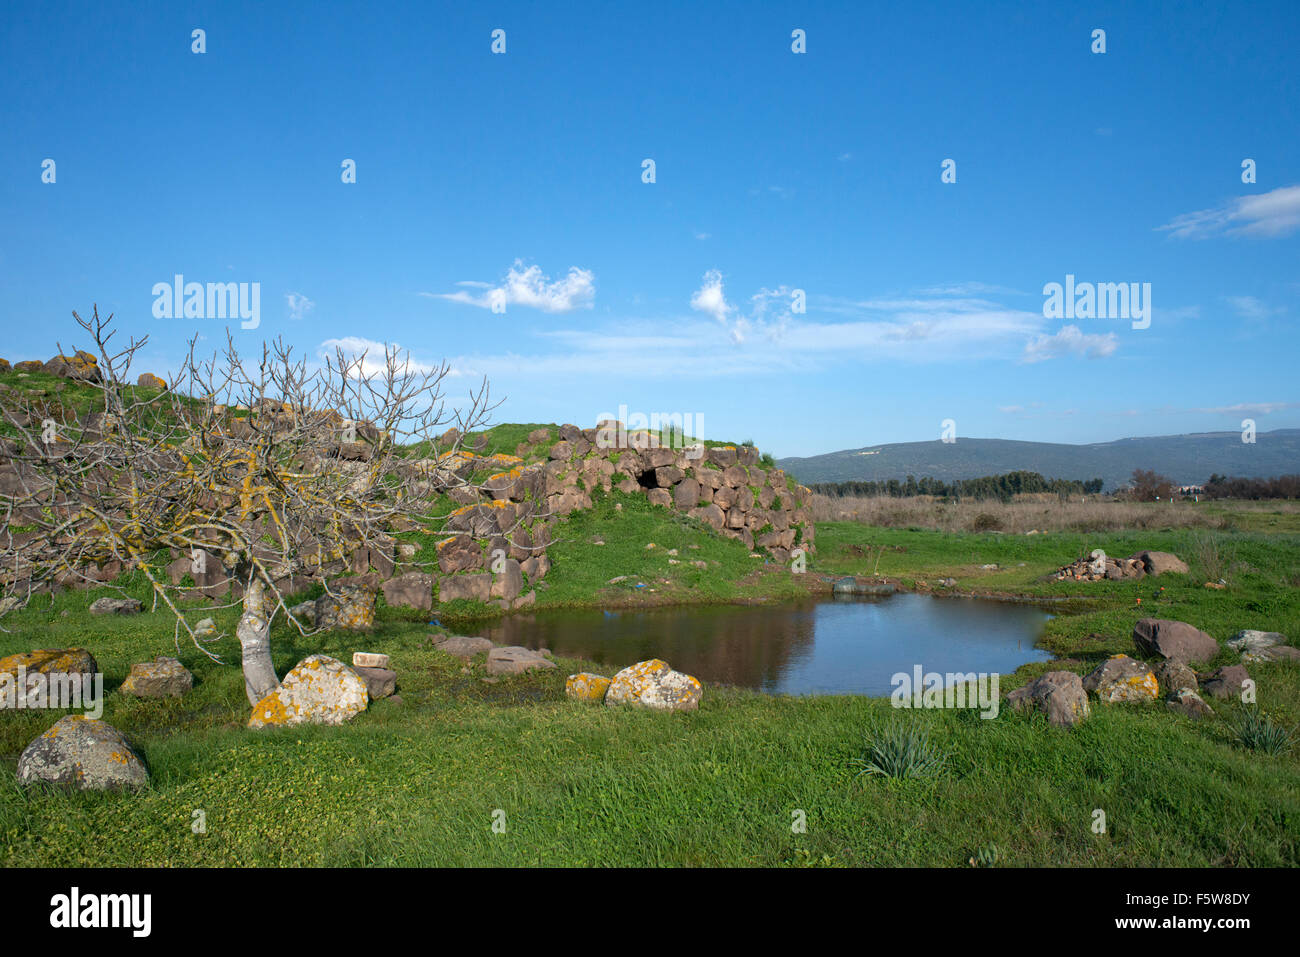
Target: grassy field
x=422, y=782
x=419, y=783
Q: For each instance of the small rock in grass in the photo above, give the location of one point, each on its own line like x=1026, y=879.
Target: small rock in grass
x=586, y=687
x=1121, y=678
x=463, y=647
x=161, y=678
x=380, y=682
x=370, y=659
x=115, y=606
x=1187, y=702
x=515, y=660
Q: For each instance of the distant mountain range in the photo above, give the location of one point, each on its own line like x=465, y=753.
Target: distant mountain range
x=1187, y=459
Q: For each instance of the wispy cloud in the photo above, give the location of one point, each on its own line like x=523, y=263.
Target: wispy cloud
x=1248, y=307
x=298, y=305
x=1265, y=216
x=1071, y=341
x=528, y=286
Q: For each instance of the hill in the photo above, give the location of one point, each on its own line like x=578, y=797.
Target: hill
x=1188, y=459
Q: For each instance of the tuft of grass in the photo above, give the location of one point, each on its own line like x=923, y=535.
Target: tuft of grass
x=902, y=750
x=1257, y=731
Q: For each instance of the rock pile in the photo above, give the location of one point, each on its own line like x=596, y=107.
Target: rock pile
x=1100, y=566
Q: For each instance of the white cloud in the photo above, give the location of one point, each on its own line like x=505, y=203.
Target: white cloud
x=299, y=305
x=1070, y=340
x=710, y=299
x=528, y=286
x=1264, y=216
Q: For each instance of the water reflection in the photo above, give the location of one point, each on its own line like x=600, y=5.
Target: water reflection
x=832, y=646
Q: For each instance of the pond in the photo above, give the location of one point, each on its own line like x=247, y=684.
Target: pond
x=831, y=646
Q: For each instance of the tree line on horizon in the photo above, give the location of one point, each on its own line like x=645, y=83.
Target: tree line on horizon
x=1001, y=487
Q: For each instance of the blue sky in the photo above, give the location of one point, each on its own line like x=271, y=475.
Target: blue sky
x=519, y=176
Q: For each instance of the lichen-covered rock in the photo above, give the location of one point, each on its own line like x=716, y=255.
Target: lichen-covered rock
x=350, y=608
x=115, y=606
x=1263, y=646
x=1057, y=694
x=161, y=678
x=1158, y=637
x=319, y=690
x=85, y=753
x=25, y=678
x=586, y=687
x=148, y=380
x=82, y=366
x=515, y=660
x=654, y=684
x=1121, y=678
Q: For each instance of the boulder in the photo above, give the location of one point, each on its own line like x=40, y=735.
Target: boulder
x=380, y=682
x=1174, y=676
x=463, y=647
x=687, y=494
x=319, y=690
x=654, y=684
x=350, y=608
x=476, y=587
x=514, y=660
x=1187, y=702
x=412, y=590
x=148, y=380
x=460, y=553
x=660, y=496
x=1057, y=694
x=535, y=568
x=586, y=687
x=1225, y=682
x=509, y=583
x=81, y=366
x=31, y=679
x=1158, y=563
x=1158, y=637
x=1121, y=678
x=161, y=678
x=1263, y=646
x=85, y=753
x=116, y=606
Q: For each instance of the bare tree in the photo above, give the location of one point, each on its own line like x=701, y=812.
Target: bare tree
x=278, y=469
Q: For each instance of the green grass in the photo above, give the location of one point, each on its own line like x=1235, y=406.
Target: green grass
x=418, y=783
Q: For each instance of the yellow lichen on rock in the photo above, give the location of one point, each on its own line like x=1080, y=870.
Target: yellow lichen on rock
x=586, y=687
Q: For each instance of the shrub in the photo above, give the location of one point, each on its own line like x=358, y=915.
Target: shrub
x=1257, y=731
x=902, y=750
x=984, y=522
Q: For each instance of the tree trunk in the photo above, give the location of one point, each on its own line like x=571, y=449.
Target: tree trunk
x=254, y=633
